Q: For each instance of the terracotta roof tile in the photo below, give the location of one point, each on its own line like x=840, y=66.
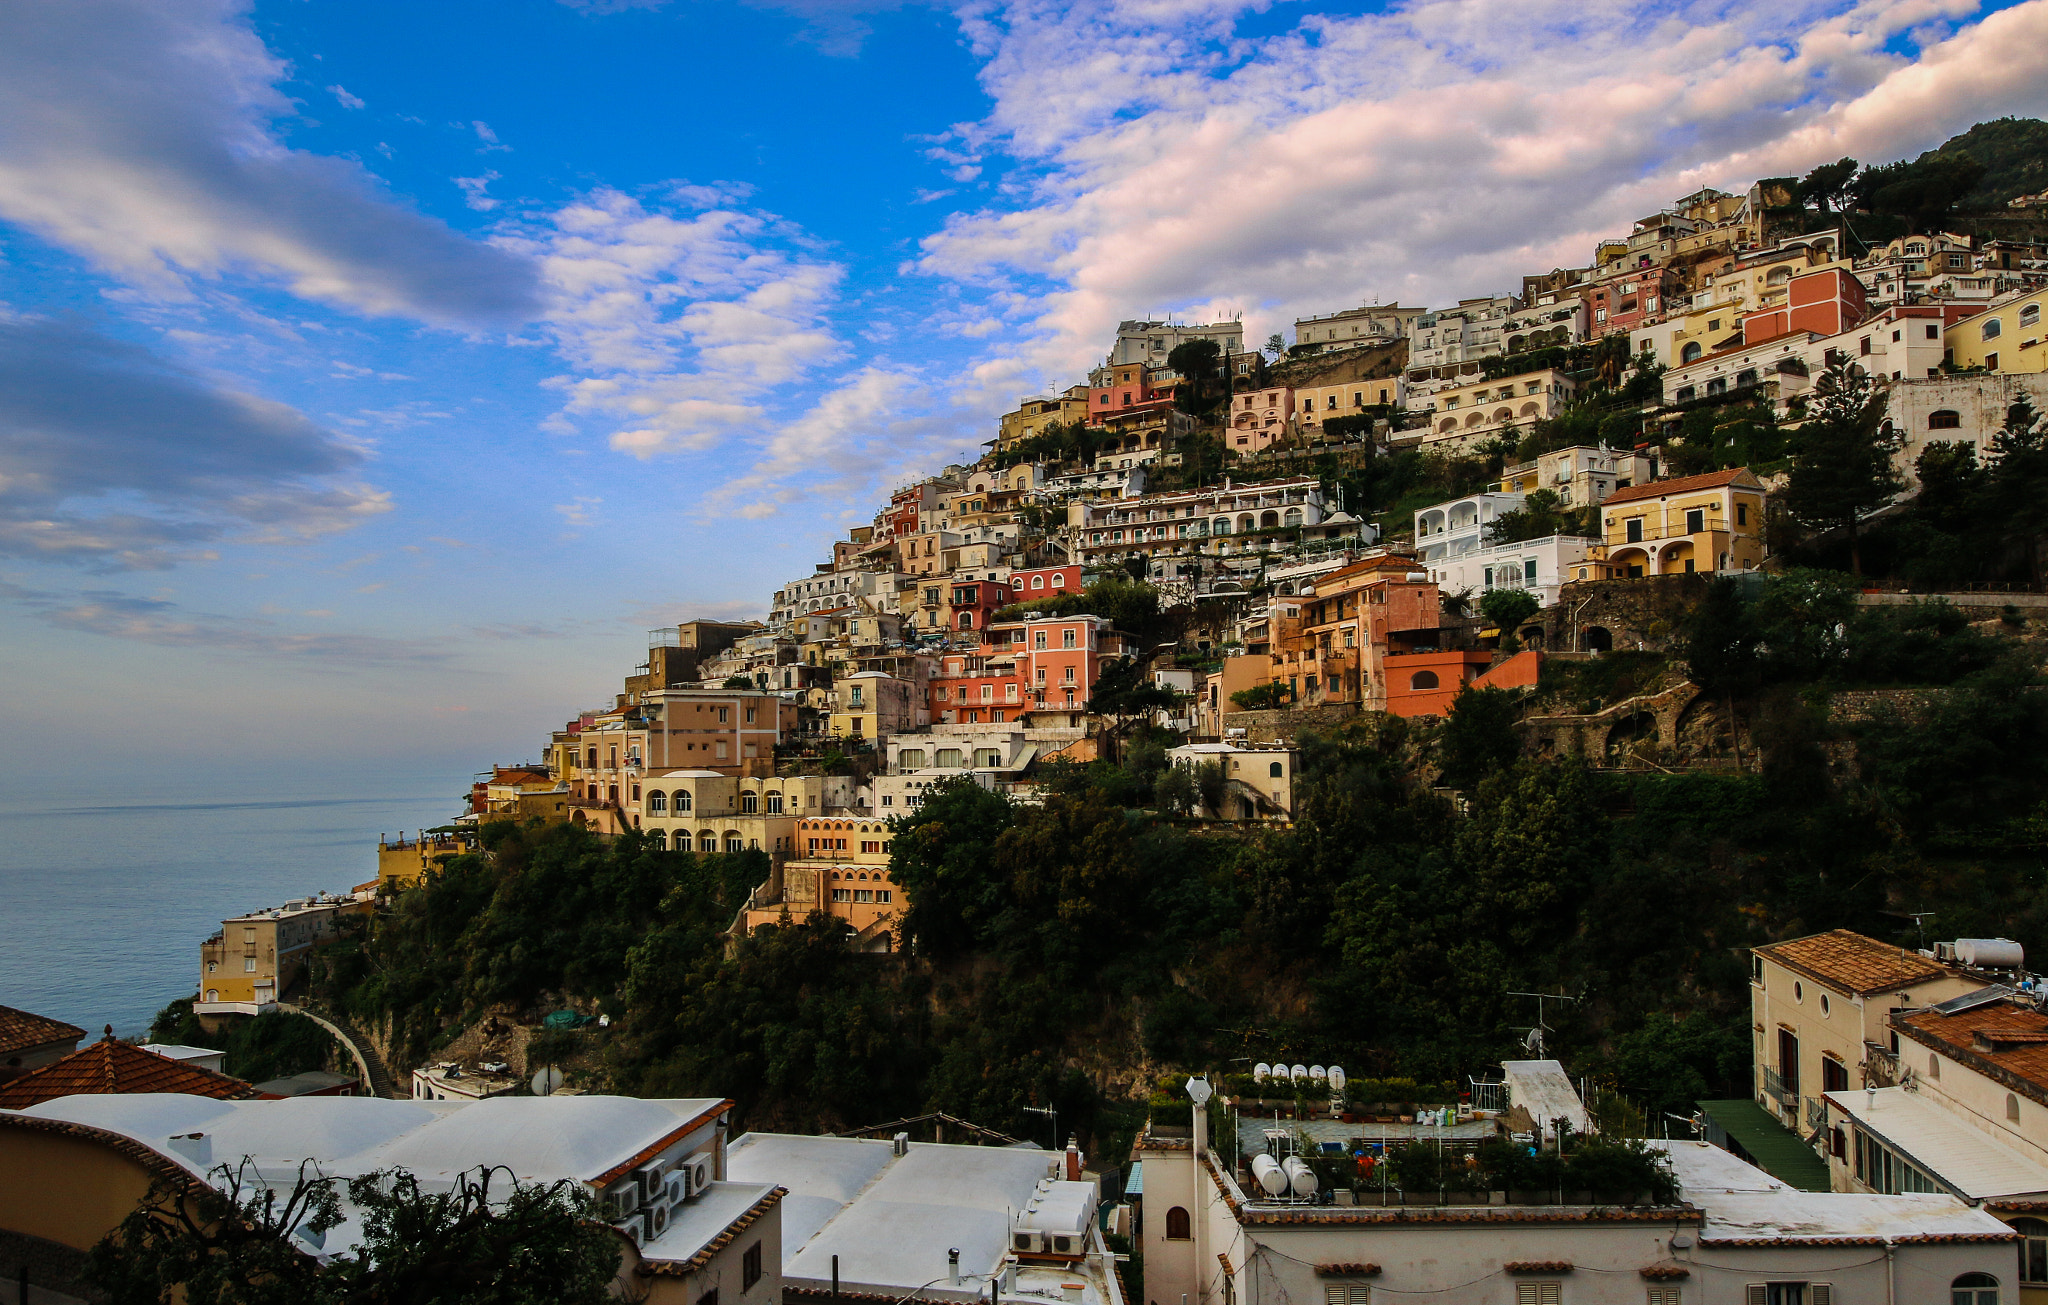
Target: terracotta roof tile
x=1683, y=485
x=1851, y=962
x=20, y=1030
x=109, y=1066
x=2003, y=1040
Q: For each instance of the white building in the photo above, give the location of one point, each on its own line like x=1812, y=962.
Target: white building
x=1539, y=566
x=1152, y=342
x=1454, y=529
x=1957, y=409
x=1356, y=327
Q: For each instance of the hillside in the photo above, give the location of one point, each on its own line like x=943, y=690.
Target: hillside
x=2014, y=152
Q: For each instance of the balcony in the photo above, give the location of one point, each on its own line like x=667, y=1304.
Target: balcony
x=1774, y=1088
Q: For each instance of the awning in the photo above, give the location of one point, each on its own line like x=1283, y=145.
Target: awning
x=1135, y=1184
x=1750, y=1131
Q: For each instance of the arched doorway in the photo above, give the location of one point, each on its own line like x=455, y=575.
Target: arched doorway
x=1596, y=638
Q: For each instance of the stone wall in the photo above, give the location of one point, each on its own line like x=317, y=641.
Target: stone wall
x=1647, y=613
x=1283, y=724
x=1979, y=402
x=1854, y=706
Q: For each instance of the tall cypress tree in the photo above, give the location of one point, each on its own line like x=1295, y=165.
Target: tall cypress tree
x=1843, y=465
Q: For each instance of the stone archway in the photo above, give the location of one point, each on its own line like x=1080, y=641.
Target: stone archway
x=1596, y=638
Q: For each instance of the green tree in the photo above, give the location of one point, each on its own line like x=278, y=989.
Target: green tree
x=1260, y=697
x=943, y=859
x=1720, y=649
x=1539, y=517
x=2015, y=485
x=1843, y=466
x=1478, y=736
x=1276, y=344
x=1507, y=609
x=241, y=1241
x=1826, y=184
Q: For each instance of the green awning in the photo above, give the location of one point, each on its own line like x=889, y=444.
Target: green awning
x=1752, y=1133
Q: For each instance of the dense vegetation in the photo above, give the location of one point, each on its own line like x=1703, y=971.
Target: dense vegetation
x=1069, y=953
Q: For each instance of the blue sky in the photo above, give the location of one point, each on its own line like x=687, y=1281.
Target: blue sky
x=372, y=376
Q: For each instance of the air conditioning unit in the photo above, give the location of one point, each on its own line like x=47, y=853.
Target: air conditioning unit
x=622, y=1201
x=656, y=1217
x=678, y=1189
x=699, y=1166
x=631, y=1231
x=650, y=1178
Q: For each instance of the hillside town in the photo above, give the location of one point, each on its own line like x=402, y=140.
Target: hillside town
x=1238, y=560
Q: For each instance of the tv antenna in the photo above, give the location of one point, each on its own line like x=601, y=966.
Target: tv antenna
x=1533, y=1043
x=1052, y=1114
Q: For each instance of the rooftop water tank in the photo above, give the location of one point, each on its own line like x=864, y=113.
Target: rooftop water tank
x=1990, y=953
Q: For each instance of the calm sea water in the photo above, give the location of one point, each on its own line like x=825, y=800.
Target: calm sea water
x=104, y=899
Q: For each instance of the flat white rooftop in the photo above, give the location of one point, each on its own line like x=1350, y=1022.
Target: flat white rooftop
x=1966, y=1159
x=1743, y=1204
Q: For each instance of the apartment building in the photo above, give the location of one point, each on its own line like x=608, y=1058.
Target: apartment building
x=1450, y=337
x=1034, y=415
x=1259, y=419
x=1354, y=327
x=705, y=811
x=1151, y=342
x=254, y=959
x=1233, y=518
x=1580, y=476
x=1329, y=645
x=1459, y=527
x=1466, y=414
x=1316, y=404
x=839, y=867
x=1628, y=298
x=2005, y=337
x=1055, y=660
x=1711, y=522
x=871, y=705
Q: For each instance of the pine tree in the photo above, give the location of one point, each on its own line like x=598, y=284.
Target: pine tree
x=1843, y=467
x=2016, y=481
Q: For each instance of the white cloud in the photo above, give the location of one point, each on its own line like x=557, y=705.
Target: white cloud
x=112, y=458
x=1436, y=150
x=681, y=326
x=489, y=138
x=344, y=99
x=139, y=136
x=474, y=188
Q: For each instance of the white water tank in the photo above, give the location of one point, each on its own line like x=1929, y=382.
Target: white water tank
x=1269, y=1174
x=1990, y=953
x=1300, y=1178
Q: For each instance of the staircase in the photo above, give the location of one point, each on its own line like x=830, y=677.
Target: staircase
x=369, y=1064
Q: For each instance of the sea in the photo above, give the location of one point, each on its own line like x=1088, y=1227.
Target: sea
x=106, y=896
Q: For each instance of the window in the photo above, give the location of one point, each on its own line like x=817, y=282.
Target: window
x=1663, y=1296
x=1275, y=771
x=1067, y=638
x=1990, y=362
x=657, y=802
x=1346, y=1293
x=2033, y=1250
x=1177, y=1225
x=709, y=1297
x=1883, y=1170
x=1790, y=1293
x=1974, y=1289
x=750, y=1266
x=1991, y=329
x=2030, y=315
x=682, y=802
x=2012, y=1107
x=1834, y=1075
x=1788, y=1060
x=1933, y=332
x=1742, y=514
x=775, y=804
x=1539, y=1293
x=249, y=965
x=1695, y=520
x=1934, y=1067
x=1633, y=530
x=1944, y=419
x=1826, y=1008
x=749, y=803
x=1422, y=680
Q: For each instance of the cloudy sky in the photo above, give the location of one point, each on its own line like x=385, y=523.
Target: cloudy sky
x=373, y=375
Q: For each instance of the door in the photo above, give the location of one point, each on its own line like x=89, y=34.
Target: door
x=1788, y=1061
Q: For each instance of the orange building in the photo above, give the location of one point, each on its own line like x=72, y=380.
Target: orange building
x=840, y=868
x=1328, y=646
x=1426, y=684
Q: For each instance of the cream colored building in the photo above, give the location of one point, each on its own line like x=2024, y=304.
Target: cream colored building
x=1258, y=782
x=872, y=706
x=705, y=811
x=1712, y=522
x=1466, y=414
x=1316, y=404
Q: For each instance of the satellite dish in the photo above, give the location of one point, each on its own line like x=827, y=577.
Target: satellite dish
x=1336, y=1076
x=1318, y=1072
x=1298, y=1073
x=1198, y=1089
x=546, y=1081
x=1262, y=1070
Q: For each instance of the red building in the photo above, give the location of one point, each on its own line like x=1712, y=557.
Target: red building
x=1426, y=683
x=1044, y=582
x=1825, y=303
x=1624, y=302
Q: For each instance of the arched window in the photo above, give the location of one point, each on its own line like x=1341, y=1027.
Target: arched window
x=2012, y=1107
x=707, y=840
x=2033, y=1250
x=1275, y=770
x=1934, y=1067
x=1974, y=1289
x=1992, y=328
x=682, y=801
x=657, y=802
x=1059, y=579
x=734, y=843
x=659, y=838
x=1177, y=1224
x=1423, y=680
x=2030, y=315
x=1690, y=353
x=1944, y=419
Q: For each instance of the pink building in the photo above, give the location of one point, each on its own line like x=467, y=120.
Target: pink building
x=1259, y=418
x=1130, y=386
x=1044, y=582
x=1057, y=660
x=1633, y=298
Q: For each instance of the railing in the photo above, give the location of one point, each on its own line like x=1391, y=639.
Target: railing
x=1816, y=1113
x=1774, y=1087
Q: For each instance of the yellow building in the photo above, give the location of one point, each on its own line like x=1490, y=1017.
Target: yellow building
x=1033, y=415
x=1316, y=404
x=402, y=863
x=704, y=811
x=2006, y=338
x=1712, y=522
x=254, y=958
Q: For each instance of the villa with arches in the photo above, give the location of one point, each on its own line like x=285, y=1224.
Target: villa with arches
x=1466, y=414
x=1711, y=522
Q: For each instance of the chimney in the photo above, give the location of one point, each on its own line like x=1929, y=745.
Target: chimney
x=1073, y=1160
x=953, y=1266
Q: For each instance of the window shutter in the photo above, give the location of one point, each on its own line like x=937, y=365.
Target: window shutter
x=1539, y=1293
x=1360, y=1294
x=1758, y=1294
x=1820, y=1293
x=1335, y=1293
